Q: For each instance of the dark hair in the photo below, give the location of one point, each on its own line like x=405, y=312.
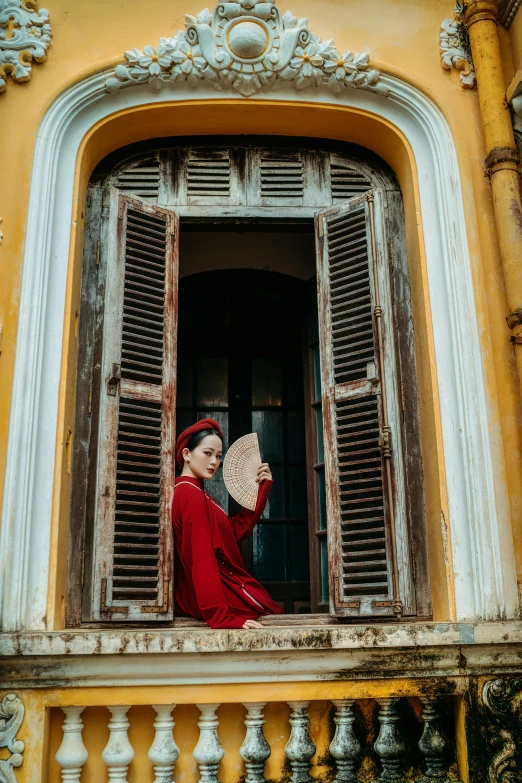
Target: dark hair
x=199, y=436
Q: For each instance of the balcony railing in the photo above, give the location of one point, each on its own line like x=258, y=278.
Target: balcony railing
x=387, y=739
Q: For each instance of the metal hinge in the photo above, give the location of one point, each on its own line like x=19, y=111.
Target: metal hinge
x=115, y=378
x=104, y=609
x=89, y=407
x=165, y=605
x=83, y=568
x=403, y=404
x=385, y=442
x=413, y=568
x=98, y=252
x=121, y=207
x=338, y=598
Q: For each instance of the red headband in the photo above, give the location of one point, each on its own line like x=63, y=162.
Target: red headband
x=186, y=435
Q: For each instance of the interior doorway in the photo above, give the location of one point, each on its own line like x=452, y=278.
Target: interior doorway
x=241, y=348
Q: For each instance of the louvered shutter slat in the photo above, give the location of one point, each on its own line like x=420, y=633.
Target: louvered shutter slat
x=361, y=508
x=133, y=547
x=281, y=177
x=208, y=176
x=141, y=179
x=346, y=181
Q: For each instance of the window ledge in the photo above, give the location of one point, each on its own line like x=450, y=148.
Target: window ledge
x=63, y=659
x=305, y=637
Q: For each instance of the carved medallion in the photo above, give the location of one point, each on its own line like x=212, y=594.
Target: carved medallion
x=249, y=46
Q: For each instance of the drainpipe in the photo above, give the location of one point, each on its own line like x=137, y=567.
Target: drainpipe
x=502, y=161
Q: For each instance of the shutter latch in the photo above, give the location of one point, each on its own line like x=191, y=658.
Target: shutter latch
x=115, y=378
x=385, y=442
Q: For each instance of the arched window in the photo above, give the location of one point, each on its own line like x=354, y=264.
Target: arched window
x=263, y=282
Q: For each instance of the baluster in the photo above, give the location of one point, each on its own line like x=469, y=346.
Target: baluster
x=255, y=750
x=72, y=753
x=118, y=752
x=300, y=749
x=389, y=746
x=163, y=752
x=209, y=751
x=434, y=744
x=345, y=746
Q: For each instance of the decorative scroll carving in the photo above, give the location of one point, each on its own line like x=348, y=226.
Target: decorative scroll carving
x=247, y=45
x=503, y=699
x=455, y=51
x=11, y=717
x=25, y=35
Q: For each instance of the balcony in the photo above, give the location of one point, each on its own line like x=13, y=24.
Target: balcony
x=345, y=740
x=387, y=702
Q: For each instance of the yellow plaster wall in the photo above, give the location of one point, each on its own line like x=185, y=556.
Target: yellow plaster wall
x=402, y=38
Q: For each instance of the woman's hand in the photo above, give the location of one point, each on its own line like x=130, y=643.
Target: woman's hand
x=252, y=624
x=263, y=473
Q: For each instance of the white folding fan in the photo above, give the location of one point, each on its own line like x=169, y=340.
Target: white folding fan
x=240, y=465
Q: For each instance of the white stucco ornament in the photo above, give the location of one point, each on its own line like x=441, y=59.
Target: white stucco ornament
x=455, y=53
x=11, y=717
x=249, y=46
x=25, y=35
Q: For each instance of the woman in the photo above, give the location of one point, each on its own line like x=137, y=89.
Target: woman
x=211, y=583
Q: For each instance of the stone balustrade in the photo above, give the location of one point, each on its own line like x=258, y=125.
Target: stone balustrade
x=380, y=740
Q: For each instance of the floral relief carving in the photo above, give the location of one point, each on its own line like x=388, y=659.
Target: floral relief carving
x=249, y=46
x=455, y=51
x=25, y=35
x=11, y=717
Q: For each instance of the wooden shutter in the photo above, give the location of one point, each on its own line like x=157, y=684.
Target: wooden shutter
x=132, y=562
x=369, y=564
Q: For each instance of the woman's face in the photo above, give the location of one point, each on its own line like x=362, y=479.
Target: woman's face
x=203, y=461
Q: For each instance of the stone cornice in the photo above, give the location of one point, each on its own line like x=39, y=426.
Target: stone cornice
x=201, y=655
x=303, y=637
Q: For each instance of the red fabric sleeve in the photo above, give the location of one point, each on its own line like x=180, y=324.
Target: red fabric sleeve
x=244, y=522
x=198, y=553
